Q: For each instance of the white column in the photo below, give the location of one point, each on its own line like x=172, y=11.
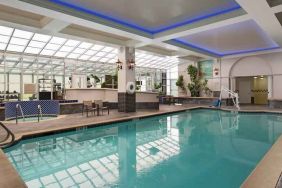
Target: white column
x=126, y=75
x=270, y=86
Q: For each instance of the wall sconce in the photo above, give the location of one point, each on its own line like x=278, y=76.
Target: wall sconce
x=131, y=64
x=216, y=71
x=119, y=65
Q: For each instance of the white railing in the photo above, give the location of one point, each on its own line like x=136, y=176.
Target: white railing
x=235, y=122
x=39, y=112
x=19, y=108
x=233, y=95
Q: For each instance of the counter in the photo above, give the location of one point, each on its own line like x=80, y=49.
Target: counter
x=144, y=100
x=110, y=95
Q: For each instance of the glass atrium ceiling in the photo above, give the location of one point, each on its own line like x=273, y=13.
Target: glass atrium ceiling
x=34, y=47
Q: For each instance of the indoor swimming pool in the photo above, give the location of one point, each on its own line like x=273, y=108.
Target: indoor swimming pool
x=197, y=148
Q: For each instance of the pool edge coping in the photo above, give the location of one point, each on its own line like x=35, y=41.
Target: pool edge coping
x=9, y=177
x=268, y=171
x=250, y=182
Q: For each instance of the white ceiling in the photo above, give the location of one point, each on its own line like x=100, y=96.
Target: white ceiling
x=239, y=37
x=222, y=33
x=153, y=14
x=274, y=2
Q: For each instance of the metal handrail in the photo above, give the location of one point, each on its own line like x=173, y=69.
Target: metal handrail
x=39, y=112
x=5, y=139
x=19, y=107
x=9, y=134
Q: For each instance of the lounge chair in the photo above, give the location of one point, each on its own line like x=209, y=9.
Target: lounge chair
x=88, y=107
x=100, y=106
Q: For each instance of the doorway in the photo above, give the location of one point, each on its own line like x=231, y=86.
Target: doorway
x=252, y=90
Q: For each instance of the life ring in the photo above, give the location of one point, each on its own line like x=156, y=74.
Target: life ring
x=130, y=88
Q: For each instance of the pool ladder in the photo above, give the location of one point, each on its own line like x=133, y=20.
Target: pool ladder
x=4, y=143
x=19, y=109
x=39, y=114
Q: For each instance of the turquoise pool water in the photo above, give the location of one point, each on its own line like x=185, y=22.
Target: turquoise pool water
x=197, y=149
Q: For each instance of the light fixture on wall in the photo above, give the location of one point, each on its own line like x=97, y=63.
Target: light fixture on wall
x=131, y=64
x=119, y=65
x=255, y=77
x=216, y=71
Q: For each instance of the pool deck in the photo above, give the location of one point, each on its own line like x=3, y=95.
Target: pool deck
x=265, y=175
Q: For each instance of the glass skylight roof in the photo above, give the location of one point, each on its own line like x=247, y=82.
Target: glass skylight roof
x=24, y=42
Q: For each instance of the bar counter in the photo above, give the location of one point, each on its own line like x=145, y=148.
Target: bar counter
x=104, y=94
x=144, y=100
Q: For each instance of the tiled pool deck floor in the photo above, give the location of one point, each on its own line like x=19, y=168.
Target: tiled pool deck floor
x=77, y=120
x=266, y=174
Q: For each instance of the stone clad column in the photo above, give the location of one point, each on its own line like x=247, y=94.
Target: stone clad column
x=126, y=101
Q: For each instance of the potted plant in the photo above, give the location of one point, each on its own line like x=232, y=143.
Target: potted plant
x=157, y=87
x=180, y=83
x=197, y=85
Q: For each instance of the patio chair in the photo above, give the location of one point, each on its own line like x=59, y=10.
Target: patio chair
x=100, y=106
x=88, y=107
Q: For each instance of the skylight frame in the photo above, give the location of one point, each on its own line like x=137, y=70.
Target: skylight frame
x=64, y=48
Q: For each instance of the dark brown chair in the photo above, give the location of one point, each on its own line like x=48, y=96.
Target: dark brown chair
x=101, y=107
x=88, y=107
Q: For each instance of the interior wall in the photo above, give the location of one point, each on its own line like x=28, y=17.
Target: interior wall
x=265, y=64
x=244, y=89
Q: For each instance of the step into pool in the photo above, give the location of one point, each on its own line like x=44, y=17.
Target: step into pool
x=197, y=148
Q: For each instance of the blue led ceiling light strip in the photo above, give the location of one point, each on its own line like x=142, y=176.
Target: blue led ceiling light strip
x=184, y=43
x=105, y=17
x=173, y=26
x=189, y=45
x=138, y=27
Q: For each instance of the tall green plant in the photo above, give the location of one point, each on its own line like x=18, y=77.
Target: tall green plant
x=158, y=86
x=180, y=83
x=111, y=81
x=196, y=85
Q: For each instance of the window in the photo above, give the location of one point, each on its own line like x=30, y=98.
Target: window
x=172, y=76
x=14, y=83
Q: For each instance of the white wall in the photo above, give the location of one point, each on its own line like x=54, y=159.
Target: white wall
x=265, y=64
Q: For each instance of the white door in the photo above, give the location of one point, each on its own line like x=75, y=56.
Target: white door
x=244, y=90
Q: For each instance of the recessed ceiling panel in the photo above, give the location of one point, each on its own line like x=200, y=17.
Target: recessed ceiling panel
x=238, y=38
x=273, y=3
x=151, y=16
x=279, y=17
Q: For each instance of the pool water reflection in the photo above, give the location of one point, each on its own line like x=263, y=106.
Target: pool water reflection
x=198, y=148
